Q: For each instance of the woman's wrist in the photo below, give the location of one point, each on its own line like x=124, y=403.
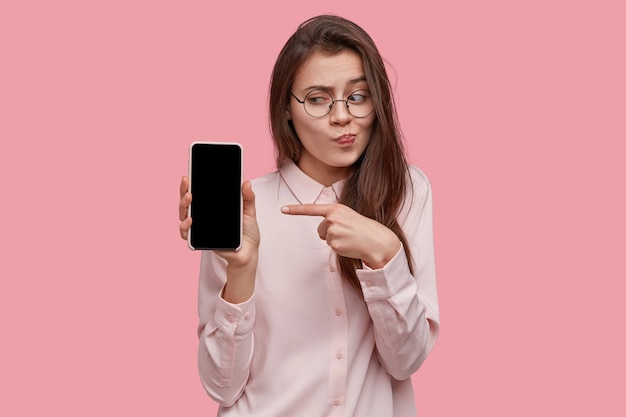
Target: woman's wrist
x=240, y=282
x=380, y=254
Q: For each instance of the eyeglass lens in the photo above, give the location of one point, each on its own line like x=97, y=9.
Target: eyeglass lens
x=318, y=103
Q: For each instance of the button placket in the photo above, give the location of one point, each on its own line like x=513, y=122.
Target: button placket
x=338, y=365
x=326, y=196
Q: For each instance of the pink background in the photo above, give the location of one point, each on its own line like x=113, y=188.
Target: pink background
x=516, y=111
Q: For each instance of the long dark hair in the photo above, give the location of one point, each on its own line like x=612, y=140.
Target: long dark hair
x=378, y=185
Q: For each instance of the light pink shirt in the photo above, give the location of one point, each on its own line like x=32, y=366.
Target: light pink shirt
x=306, y=344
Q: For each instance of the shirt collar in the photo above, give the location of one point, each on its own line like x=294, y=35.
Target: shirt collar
x=305, y=188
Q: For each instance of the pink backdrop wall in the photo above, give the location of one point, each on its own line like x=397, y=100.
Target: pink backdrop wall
x=515, y=109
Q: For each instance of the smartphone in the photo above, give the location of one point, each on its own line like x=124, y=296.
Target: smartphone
x=215, y=176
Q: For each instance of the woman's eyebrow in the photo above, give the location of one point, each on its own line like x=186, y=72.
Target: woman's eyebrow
x=357, y=80
x=328, y=87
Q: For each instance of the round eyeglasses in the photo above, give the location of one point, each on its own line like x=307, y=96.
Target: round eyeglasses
x=318, y=103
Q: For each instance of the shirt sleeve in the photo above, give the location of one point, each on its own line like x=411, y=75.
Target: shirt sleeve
x=403, y=306
x=225, y=334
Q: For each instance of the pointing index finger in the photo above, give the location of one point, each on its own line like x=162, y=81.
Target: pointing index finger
x=307, y=209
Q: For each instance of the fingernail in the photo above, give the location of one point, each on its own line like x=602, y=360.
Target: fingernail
x=285, y=209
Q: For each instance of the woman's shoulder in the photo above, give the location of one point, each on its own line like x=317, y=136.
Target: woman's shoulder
x=419, y=180
x=265, y=182
x=418, y=193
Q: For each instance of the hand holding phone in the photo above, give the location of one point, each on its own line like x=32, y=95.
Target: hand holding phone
x=215, y=177
x=183, y=208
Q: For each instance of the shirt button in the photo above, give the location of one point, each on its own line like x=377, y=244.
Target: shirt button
x=246, y=316
x=331, y=268
x=338, y=312
x=369, y=284
x=339, y=355
x=230, y=318
x=337, y=402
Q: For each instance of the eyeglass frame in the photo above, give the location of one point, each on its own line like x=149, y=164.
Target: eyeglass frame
x=330, y=106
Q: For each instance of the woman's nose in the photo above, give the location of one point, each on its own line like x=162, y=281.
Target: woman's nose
x=339, y=112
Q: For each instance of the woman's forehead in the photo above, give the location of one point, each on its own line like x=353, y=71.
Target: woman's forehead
x=330, y=71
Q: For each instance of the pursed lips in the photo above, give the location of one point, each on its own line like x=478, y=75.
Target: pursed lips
x=346, y=139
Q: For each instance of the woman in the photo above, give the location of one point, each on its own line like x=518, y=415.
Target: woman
x=330, y=304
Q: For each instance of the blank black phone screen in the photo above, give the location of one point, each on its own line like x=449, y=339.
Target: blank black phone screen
x=215, y=175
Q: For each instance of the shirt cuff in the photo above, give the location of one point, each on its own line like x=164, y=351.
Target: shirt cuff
x=384, y=282
x=235, y=318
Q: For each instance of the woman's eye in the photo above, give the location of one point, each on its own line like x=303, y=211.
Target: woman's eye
x=318, y=100
x=358, y=97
